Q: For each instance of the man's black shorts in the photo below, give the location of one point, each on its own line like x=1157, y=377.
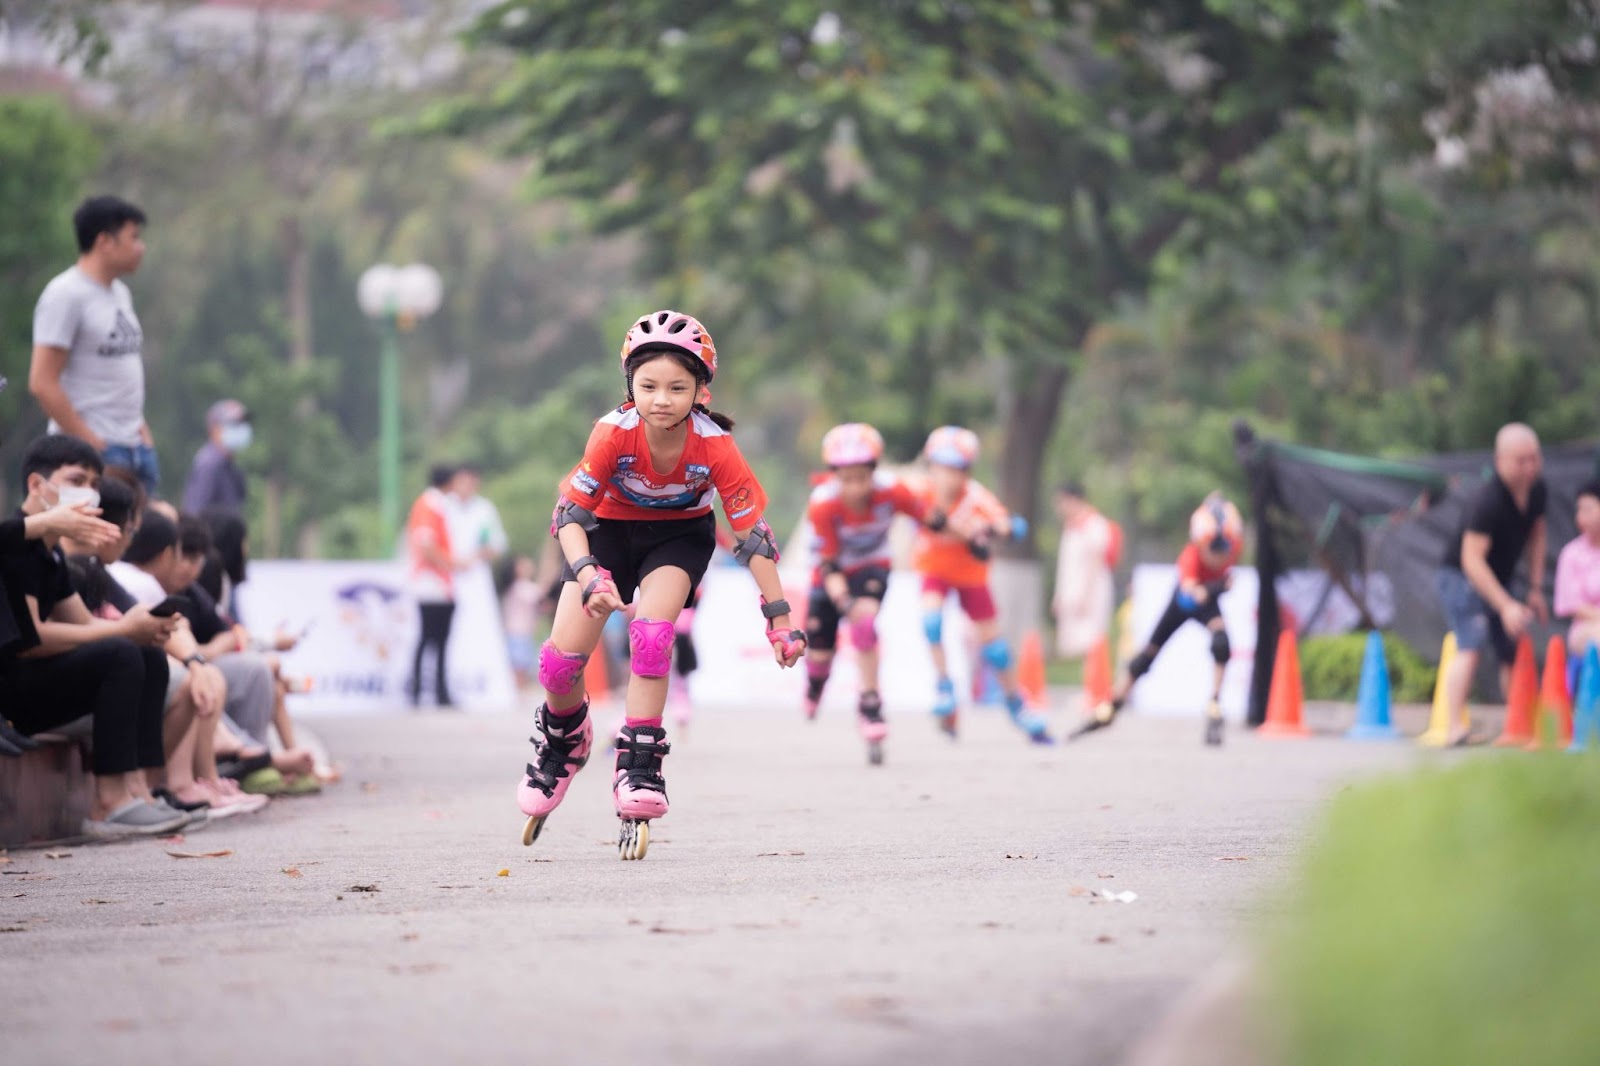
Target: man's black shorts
x=632, y=550
x=822, y=617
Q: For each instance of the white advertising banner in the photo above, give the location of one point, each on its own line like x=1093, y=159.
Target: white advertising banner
x=361, y=625
x=737, y=669
x=1180, y=681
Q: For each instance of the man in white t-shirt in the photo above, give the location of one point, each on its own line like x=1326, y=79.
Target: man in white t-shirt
x=88, y=348
x=476, y=531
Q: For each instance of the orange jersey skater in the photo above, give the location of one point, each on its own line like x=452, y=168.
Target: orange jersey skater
x=946, y=556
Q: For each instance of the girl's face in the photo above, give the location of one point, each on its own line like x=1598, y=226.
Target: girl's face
x=663, y=392
x=947, y=481
x=855, y=484
x=1589, y=516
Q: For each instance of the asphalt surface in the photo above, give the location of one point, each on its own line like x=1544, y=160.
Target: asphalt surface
x=797, y=906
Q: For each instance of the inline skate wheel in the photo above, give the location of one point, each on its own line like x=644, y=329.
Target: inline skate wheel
x=532, y=828
x=634, y=840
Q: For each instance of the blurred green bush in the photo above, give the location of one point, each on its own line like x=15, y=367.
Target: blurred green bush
x=1448, y=917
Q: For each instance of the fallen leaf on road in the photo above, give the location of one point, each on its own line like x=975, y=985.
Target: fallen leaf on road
x=417, y=968
x=678, y=932
x=777, y=854
x=362, y=888
x=1105, y=806
x=1104, y=938
x=14, y=873
x=96, y=902
x=13, y=929
x=1021, y=856
x=293, y=871
x=503, y=873
x=1148, y=932
x=58, y=854
x=1233, y=858
x=221, y=853
x=20, y=895
x=1078, y=891
x=369, y=786
x=410, y=936
x=1105, y=877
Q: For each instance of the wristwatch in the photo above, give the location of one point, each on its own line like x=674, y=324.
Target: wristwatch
x=196, y=658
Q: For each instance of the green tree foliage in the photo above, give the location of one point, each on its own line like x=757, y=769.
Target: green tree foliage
x=46, y=152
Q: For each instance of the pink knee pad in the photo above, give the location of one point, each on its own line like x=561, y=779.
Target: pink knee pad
x=559, y=671
x=864, y=633
x=651, y=642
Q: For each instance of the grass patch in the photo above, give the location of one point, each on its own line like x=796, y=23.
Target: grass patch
x=1330, y=668
x=1450, y=917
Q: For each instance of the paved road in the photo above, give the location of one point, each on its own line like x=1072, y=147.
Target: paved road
x=796, y=907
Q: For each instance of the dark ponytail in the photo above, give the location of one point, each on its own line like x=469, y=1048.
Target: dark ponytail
x=639, y=357
x=723, y=421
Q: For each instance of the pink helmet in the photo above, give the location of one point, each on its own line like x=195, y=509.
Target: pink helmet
x=671, y=331
x=952, y=446
x=852, y=444
x=1216, y=525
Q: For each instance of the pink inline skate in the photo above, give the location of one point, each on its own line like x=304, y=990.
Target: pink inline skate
x=638, y=788
x=869, y=719
x=559, y=753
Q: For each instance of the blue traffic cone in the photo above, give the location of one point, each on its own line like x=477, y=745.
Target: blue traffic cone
x=1586, y=709
x=1372, y=699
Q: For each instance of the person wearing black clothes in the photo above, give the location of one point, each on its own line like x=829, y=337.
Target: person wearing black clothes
x=66, y=660
x=78, y=521
x=1503, y=524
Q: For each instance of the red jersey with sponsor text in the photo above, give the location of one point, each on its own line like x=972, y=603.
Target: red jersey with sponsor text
x=616, y=479
x=853, y=538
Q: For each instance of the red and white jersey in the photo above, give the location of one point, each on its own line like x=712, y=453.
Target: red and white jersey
x=616, y=478
x=856, y=538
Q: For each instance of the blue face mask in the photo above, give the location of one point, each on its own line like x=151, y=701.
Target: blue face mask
x=236, y=437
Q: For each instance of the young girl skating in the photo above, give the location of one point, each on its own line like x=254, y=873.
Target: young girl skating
x=635, y=514
x=964, y=518
x=851, y=513
x=1205, y=572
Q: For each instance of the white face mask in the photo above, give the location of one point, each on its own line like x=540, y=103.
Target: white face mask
x=236, y=437
x=74, y=495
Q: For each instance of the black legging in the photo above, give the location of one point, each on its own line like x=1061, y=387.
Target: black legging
x=436, y=621
x=123, y=685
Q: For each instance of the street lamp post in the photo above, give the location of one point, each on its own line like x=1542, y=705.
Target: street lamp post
x=395, y=298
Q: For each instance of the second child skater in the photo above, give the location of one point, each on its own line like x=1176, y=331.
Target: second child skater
x=635, y=514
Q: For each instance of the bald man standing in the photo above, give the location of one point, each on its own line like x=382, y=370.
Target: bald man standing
x=1504, y=522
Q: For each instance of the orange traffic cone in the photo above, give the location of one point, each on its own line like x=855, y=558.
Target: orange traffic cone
x=595, y=682
x=1286, y=701
x=1522, y=698
x=1097, y=676
x=1030, y=669
x=1555, y=705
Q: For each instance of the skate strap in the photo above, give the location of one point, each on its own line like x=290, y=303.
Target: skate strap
x=775, y=609
x=587, y=560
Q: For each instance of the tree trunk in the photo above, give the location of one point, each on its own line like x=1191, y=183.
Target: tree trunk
x=302, y=345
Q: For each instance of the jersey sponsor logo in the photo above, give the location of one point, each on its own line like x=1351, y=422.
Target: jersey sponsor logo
x=584, y=483
x=626, y=461
x=739, y=504
x=696, y=471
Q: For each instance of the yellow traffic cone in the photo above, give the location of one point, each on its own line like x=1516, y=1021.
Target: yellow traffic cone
x=1438, y=732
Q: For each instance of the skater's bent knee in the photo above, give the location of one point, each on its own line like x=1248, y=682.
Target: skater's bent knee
x=651, y=644
x=997, y=653
x=559, y=671
x=933, y=626
x=1221, y=650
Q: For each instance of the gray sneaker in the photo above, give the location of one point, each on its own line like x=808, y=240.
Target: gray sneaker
x=192, y=820
x=136, y=818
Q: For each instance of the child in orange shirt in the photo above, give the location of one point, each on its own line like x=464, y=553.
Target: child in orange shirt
x=1205, y=572
x=635, y=514
x=952, y=556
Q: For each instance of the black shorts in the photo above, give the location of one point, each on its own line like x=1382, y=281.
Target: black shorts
x=822, y=617
x=1176, y=614
x=632, y=550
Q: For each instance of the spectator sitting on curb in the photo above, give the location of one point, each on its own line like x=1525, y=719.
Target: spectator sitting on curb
x=68, y=660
